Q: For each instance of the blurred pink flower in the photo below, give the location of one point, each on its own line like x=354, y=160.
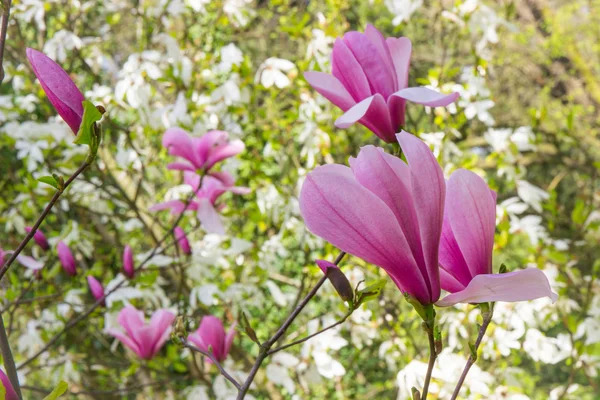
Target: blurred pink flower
x=60, y=89
x=25, y=261
x=212, y=333
x=66, y=258
x=8, y=387
x=466, y=249
x=39, y=238
x=128, y=264
x=384, y=211
x=182, y=240
x=143, y=339
x=201, y=153
x=206, y=211
x=96, y=289
x=369, y=82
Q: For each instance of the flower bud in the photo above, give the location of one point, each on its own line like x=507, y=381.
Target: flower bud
x=39, y=238
x=96, y=289
x=337, y=278
x=66, y=258
x=128, y=265
x=182, y=240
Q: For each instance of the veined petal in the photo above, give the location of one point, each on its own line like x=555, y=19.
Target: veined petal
x=131, y=319
x=400, y=50
x=209, y=217
x=223, y=152
x=176, y=206
x=527, y=284
x=378, y=41
x=349, y=216
x=126, y=340
x=472, y=216
x=331, y=88
x=428, y=192
x=427, y=97
x=372, y=63
x=348, y=71
x=180, y=166
x=179, y=143
x=454, y=272
x=373, y=113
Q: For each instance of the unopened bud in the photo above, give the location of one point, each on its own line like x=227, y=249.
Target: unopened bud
x=337, y=278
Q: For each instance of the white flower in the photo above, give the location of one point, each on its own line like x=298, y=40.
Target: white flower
x=275, y=71
x=402, y=9
x=531, y=194
x=62, y=41
x=230, y=55
x=278, y=370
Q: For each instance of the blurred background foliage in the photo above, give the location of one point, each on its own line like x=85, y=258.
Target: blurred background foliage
x=528, y=72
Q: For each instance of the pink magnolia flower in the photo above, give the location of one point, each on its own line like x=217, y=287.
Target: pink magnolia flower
x=207, y=196
x=200, y=153
x=369, y=82
x=212, y=333
x=384, y=211
x=128, y=264
x=39, y=238
x=60, y=89
x=143, y=339
x=8, y=387
x=182, y=240
x=25, y=261
x=96, y=289
x=66, y=258
x=466, y=249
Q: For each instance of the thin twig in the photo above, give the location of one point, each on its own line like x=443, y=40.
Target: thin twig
x=487, y=318
x=3, y=32
x=266, y=346
x=212, y=357
x=432, y=358
x=41, y=218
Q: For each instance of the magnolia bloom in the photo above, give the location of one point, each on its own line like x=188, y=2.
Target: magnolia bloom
x=39, y=238
x=205, y=205
x=182, y=240
x=212, y=333
x=66, y=258
x=143, y=339
x=96, y=289
x=466, y=249
x=128, y=265
x=8, y=387
x=200, y=153
x=60, y=89
x=26, y=261
x=384, y=211
x=369, y=82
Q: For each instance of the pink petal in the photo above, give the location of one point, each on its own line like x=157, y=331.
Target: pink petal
x=213, y=334
x=182, y=240
x=349, y=216
x=180, y=166
x=66, y=258
x=373, y=65
x=126, y=340
x=331, y=88
x=176, y=206
x=221, y=153
x=472, y=216
x=348, y=71
x=225, y=177
x=95, y=287
x=209, y=217
x=10, y=393
x=195, y=338
x=454, y=272
x=160, y=323
x=39, y=238
x=373, y=113
x=30, y=262
x=527, y=284
x=229, y=339
x=383, y=50
x=428, y=190
x=131, y=319
x=128, y=264
x=426, y=96
x=400, y=50
x=205, y=144
x=60, y=89
x=324, y=265
x=180, y=144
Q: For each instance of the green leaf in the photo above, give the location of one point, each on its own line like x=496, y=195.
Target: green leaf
x=91, y=115
x=58, y=391
x=49, y=180
x=369, y=293
x=247, y=329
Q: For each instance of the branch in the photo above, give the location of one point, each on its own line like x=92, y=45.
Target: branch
x=210, y=355
x=43, y=216
x=266, y=346
x=3, y=32
x=432, y=358
x=487, y=318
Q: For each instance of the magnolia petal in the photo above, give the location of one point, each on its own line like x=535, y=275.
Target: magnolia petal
x=179, y=143
x=400, y=50
x=209, y=217
x=221, y=153
x=472, y=217
x=428, y=192
x=426, y=96
x=10, y=393
x=126, y=340
x=331, y=88
x=342, y=211
x=176, y=206
x=212, y=332
x=131, y=319
x=160, y=323
x=348, y=71
x=229, y=340
x=30, y=262
x=180, y=166
x=205, y=144
x=373, y=113
x=527, y=284
x=380, y=44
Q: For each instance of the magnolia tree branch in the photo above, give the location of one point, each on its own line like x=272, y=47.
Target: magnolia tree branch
x=212, y=357
x=432, y=358
x=487, y=318
x=43, y=216
x=266, y=346
x=3, y=31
